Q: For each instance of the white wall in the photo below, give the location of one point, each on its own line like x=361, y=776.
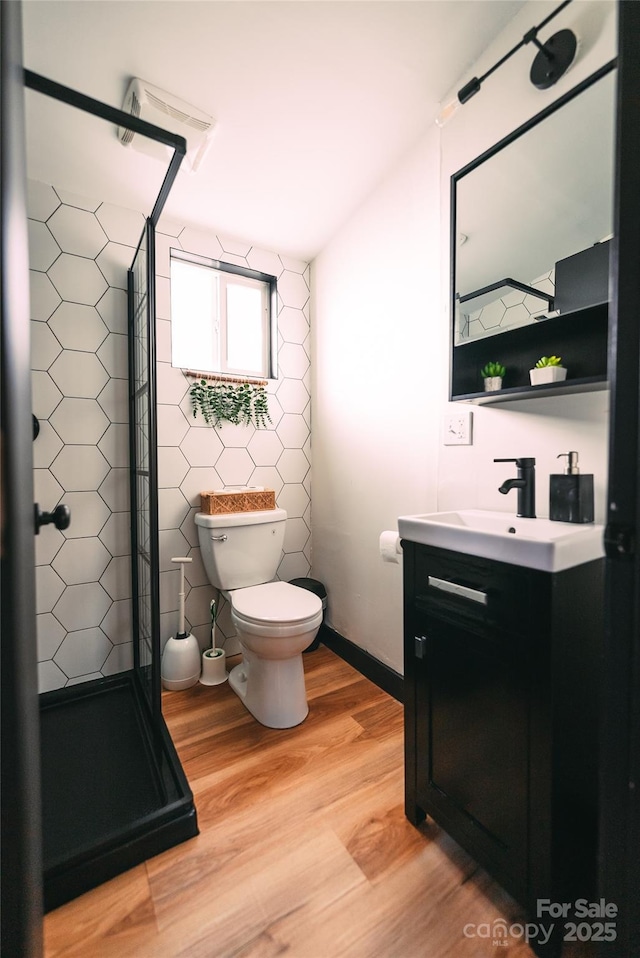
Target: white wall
x=379, y=342
x=380, y=345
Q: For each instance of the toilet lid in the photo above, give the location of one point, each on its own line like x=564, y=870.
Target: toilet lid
x=275, y=602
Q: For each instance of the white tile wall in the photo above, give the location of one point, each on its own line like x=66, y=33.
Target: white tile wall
x=79, y=314
x=80, y=250
x=77, y=279
x=78, y=327
x=193, y=457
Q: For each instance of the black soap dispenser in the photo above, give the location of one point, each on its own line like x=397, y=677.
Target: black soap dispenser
x=571, y=494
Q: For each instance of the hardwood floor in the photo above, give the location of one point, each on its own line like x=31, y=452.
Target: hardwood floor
x=303, y=850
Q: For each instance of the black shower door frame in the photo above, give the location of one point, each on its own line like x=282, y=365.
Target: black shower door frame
x=143, y=465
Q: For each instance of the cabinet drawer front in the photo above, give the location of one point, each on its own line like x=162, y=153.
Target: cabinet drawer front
x=456, y=588
x=489, y=598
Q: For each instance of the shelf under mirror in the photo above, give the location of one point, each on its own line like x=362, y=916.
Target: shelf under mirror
x=579, y=337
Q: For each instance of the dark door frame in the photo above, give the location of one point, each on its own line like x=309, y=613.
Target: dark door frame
x=21, y=846
x=620, y=741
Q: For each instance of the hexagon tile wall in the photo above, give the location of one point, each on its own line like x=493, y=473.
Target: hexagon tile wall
x=193, y=457
x=79, y=253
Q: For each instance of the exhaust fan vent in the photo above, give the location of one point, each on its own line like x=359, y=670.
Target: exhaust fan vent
x=134, y=107
x=167, y=111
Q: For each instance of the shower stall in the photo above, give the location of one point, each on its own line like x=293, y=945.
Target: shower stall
x=113, y=790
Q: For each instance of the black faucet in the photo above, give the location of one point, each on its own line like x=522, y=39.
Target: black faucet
x=525, y=484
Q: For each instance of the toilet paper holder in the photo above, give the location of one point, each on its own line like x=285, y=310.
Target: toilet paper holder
x=390, y=546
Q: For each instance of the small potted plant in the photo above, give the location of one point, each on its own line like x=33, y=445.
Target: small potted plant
x=492, y=373
x=548, y=369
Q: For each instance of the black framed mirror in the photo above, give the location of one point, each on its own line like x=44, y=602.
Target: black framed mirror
x=532, y=218
x=537, y=197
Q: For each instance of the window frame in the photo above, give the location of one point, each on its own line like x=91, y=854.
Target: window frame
x=270, y=327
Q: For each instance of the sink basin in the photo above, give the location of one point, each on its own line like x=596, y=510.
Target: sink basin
x=534, y=543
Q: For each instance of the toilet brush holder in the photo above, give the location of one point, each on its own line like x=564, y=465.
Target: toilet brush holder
x=180, y=668
x=214, y=667
x=180, y=665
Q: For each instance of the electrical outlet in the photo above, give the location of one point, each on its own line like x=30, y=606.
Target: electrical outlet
x=457, y=428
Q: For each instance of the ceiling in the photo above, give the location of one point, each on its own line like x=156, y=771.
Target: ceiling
x=315, y=101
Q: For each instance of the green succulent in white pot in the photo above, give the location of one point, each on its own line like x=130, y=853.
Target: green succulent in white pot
x=493, y=374
x=548, y=369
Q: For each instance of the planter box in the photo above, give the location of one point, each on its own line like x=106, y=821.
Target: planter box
x=547, y=374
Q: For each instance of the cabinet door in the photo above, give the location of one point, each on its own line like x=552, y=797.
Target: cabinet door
x=472, y=746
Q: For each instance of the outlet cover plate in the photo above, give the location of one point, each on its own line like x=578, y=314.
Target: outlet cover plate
x=458, y=428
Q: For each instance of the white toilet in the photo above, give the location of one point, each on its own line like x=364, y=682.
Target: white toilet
x=275, y=621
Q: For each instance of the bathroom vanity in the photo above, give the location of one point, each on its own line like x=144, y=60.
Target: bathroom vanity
x=501, y=688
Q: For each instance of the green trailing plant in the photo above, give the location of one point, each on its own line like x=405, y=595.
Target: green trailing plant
x=237, y=403
x=490, y=370
x=548, y=361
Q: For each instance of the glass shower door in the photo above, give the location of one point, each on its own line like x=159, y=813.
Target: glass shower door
x=144, y=485
x=111, y=806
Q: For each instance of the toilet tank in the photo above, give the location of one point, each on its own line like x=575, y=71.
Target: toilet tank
x=242, y=548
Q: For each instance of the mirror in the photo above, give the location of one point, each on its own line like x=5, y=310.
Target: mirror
x=540, y=195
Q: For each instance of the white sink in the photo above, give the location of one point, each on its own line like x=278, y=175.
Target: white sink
x=534, y=543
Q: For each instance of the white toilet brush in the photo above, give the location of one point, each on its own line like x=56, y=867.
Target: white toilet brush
x=181, y=662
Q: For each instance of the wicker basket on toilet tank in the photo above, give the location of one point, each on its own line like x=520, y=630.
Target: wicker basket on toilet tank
x=243, y=500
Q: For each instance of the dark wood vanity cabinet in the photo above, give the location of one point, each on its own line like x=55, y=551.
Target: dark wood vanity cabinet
x=501, y=689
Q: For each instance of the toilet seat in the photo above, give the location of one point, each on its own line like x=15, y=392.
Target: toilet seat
x=275, y=608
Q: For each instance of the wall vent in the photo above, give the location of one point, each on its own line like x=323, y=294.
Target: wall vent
x=167, y=111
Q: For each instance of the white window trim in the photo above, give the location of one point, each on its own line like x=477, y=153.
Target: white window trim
x=252, y=277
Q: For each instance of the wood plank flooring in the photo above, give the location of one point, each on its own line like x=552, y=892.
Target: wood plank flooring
x=304, y=849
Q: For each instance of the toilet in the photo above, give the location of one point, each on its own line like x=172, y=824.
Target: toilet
x=275, y=621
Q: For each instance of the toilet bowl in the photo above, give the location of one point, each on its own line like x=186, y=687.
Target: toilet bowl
x=275, y=621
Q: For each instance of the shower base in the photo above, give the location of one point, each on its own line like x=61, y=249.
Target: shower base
x=113, y=789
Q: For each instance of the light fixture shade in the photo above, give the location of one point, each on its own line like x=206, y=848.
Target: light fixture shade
x=452, y=106
x=554, y=59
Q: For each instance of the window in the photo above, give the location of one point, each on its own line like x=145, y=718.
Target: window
x=222, y=317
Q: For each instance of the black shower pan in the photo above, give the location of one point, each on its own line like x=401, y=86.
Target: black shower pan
x=113, y=789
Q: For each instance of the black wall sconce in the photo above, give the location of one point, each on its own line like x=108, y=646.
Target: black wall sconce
x=552, y=60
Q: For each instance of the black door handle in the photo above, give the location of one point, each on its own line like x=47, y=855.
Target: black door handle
x=61, y=517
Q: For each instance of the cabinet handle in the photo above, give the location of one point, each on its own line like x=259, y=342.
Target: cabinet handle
x=457, y=589
x=420, y=646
